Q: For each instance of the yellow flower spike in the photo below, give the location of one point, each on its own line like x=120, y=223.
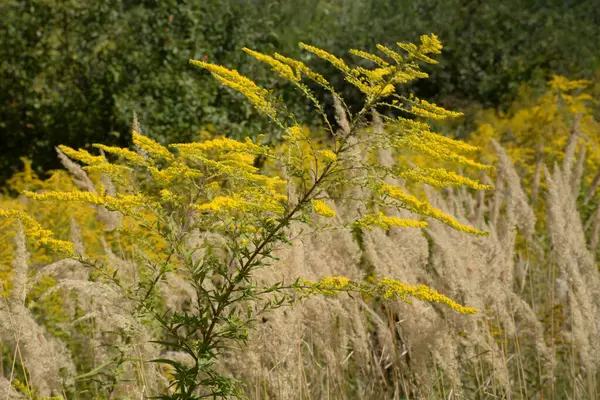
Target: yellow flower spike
x=175, y=172
x=303, y=69
x=128, y=155
x=327, y=155
x=335, y=61
x=233, y=79
x=151, y=147
x=36, y=232
x=220, y=144
x=127, y=205
x=386, y=287
x=361, y=85
x=430, y=44
x=391, y=54
x=371, y=57
x=112, y=170
x=424, y=208
x=384, y=222
x=391, y=289
x=387, y=90
x=322, y=208
x=296, y=133
x=236, y=204
x=284, y=70
x=435, y=146
x=82, y=155
x=423, y=108
x=439, y=177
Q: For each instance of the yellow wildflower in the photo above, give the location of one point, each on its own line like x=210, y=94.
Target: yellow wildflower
x=35, y=231
x=175, y=172
x=424, y=208
x=385, y=222
x=296, y=133
x=322, y=208
x=126, y=204
x=221, y=144
x=82, y=155
x=391, y=54
x=423, y=108
x=302, y=68
x=233, y=79
x=151, y=147
x=237, y=204
x=335, y=61
x=327, y=155
x=430, y=44
x=128, y=155
x=440, y=177
x=391, y=289
x=432, y=146
x=112, y=170
x=371, y=57
x=285, y=71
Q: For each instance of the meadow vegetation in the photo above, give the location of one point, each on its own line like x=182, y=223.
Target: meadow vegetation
x=370, y=258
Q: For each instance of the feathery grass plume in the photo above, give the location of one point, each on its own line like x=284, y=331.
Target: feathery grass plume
x=80, y=177
x=20, y=268
x=43, y=359
x=517, y=207
x=576, y=266
x=571, y=148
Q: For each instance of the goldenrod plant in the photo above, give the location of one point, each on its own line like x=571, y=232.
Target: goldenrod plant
x=206, y=214
x=544, y=130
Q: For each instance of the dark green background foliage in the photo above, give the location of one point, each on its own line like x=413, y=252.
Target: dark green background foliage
x=73, y=71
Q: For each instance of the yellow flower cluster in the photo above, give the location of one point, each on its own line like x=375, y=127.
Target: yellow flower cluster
x=128, y=155
x=223, y=203
x=231, y=78
x=151, y=147
x=386, y=287
x=335, y=61
x=303, y=69
x=82, y=155
x=221, y=144
x=175, y=172
x=423, y=108
x=35, y=231
x=328, y=286
x=237, y=203
x=117, y=172
x=327, y=155
x=284, y=70
x=371, y=57
x=424, y=208
x=391, y=54
x=126, y=204
x=440, y=177
x=429, y=44
x=322, y=208
x=167, y=195
x=384, y=222
x=393, y=289
x=434, y=146
x=296, y=132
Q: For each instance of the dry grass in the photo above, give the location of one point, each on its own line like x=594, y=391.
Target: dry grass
x=536, y=335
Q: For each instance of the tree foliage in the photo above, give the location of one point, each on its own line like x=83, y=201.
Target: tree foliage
x=74, y=71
